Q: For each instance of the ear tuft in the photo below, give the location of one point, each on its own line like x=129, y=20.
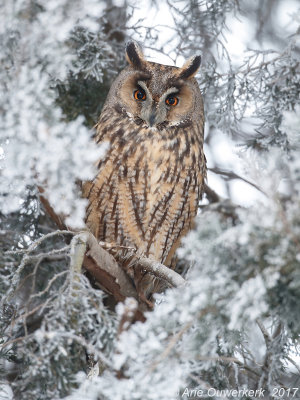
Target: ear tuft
x=190, y=68
x=134, y=54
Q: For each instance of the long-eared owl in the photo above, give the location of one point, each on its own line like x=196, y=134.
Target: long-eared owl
x=146, y=192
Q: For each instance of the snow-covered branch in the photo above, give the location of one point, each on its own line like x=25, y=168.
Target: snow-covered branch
x=107, y=272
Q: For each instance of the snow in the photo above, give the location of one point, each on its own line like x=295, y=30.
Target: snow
x=39, y=148
x=6, y=392
x=291, y=126
x=240, y=262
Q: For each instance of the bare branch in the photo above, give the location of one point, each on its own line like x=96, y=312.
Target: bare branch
x=230, y=175
x=40, y=240
x=264, y=332
x=162, y=272
x=212, y=196
x=294, y=363
x=53, y=279
x=50, y=211
x=131, y=307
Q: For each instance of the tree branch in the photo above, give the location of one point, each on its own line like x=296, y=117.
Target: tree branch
x=212, y=196
x=86, y=251
x=102, y=265
x=162, y=272
x=230, y=175
x=105, y=269
x=50, y=211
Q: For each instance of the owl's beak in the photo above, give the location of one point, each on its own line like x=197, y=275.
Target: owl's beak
x=152, y=118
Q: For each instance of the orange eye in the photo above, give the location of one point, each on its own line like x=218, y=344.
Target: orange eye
x=172, y=101
x=139, y=94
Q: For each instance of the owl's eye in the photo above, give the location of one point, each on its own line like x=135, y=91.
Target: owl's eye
x=139, y=94
x=172, y=101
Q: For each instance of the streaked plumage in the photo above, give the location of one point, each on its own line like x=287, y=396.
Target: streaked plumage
x=148, y=186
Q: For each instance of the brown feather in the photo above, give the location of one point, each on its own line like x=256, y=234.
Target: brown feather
x=146, y=192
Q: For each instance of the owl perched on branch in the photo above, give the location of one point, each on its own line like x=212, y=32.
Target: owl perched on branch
x=146, y=192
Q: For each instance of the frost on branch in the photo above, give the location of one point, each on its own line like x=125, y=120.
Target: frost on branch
x=290, y=125
x=86, y=252
x=236, y=324
x=39, y=146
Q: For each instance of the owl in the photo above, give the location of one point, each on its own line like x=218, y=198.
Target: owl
x=148, y=186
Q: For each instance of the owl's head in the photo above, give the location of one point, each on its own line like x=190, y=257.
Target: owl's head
x=157, y=95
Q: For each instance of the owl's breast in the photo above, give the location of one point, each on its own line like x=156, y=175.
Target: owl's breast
x=146, y=192
x=161, y=193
